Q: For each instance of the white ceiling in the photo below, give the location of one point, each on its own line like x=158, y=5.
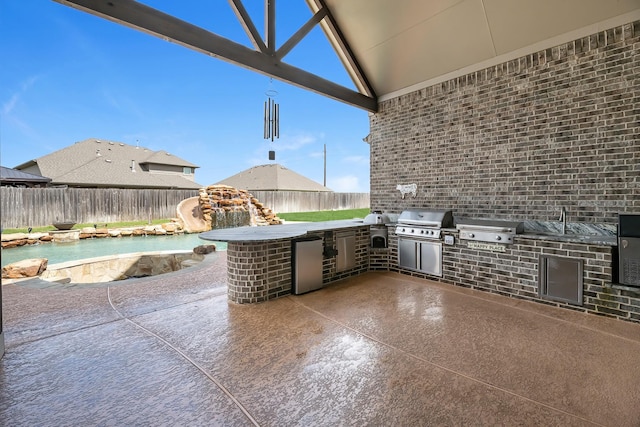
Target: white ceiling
x=404, y=44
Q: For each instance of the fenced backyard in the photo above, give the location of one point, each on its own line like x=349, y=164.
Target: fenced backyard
x=35, y=207
x=302, y=201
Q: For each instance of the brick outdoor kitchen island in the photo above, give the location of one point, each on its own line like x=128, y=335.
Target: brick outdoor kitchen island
x=259, y=259
x=259, y=263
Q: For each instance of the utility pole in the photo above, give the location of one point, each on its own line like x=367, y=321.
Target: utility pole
x=325, y=165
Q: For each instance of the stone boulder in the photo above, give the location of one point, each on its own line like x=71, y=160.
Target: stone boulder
x=228, y=200
x=204, y=249
x=170, y=227
x=13, y=243
x=25, y=268
x=14, y=236
x=139, y=232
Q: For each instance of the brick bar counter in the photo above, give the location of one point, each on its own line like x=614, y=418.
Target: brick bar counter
x=259, y=258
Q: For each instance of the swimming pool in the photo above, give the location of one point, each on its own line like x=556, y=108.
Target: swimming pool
x=57, y=252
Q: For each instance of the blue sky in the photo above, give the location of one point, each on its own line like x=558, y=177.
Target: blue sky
x=67, y=76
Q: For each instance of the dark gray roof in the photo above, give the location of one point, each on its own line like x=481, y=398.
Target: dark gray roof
x=13, y=175
x=101, y=163
x=272, y=177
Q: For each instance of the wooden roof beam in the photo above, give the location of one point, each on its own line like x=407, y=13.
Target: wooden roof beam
x=159, y=24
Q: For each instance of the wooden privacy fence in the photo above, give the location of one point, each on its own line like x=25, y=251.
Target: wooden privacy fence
x=35, y=207
x=302, y=201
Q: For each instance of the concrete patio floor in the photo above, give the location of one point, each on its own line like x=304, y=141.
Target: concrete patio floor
x=382, y=349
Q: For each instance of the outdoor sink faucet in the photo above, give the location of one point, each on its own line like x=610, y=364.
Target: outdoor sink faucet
x=563, y=218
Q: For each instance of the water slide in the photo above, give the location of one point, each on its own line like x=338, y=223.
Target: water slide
x=190, y=214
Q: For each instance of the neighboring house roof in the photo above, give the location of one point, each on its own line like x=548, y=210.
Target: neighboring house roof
x=15, y=176
x=272, y=177
x=100, y=163
x=164, y=158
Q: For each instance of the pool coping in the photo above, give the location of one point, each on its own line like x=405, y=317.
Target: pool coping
x=38, y=283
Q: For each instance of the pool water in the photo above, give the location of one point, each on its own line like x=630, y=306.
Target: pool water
x=90, y=248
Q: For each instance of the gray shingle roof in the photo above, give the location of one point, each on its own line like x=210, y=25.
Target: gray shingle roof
x=95, y=162
x=13, y=175
x=164, y=158
x=272, y=177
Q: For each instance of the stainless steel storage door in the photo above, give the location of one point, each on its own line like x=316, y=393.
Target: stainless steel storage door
x=346, y=246
x=424, y=256
x=307, y=265
x=407, y=254
x=431, y=258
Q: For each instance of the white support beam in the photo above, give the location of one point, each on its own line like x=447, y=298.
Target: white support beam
x=152, y=21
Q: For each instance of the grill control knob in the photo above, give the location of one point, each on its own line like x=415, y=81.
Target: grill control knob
x=472, y=235
x=498, y=238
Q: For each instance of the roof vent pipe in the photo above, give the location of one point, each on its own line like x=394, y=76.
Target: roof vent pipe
x=133, y=165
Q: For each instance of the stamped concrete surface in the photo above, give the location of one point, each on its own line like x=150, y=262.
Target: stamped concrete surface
x=379, y=349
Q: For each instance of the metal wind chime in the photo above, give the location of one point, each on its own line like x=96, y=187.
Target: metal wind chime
x=271, y=118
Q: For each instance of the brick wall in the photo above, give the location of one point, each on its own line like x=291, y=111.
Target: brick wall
x=514, y=273
x=260, y=271
x=559, y=127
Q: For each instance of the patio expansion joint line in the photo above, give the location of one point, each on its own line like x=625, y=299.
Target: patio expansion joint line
x=188, y=359
x=460, y=374
x=168, y=307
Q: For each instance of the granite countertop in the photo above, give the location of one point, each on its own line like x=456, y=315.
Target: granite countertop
x=584, y=233
x=276, y=232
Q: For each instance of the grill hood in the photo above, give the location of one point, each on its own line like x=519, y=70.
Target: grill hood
x=427, y=218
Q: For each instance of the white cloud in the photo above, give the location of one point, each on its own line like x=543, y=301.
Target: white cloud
x=120, y=103
x=344, y=184
x=360, y=160
x=8, y=106
x=294, y=142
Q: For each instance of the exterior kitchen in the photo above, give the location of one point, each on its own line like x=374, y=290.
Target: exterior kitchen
x=520, y=179
x=510, y=179
x=546, y=145
x=495, y=279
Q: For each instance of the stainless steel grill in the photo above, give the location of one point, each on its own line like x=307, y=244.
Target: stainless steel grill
x=489, y=230
x=419, y=245
x=423, y=223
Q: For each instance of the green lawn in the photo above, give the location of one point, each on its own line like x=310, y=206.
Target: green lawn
x=325, y=215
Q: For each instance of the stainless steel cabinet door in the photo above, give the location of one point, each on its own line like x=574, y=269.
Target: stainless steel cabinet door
x=431, y=258
x=408, y=253
x=346, y=246
x=308, y=266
